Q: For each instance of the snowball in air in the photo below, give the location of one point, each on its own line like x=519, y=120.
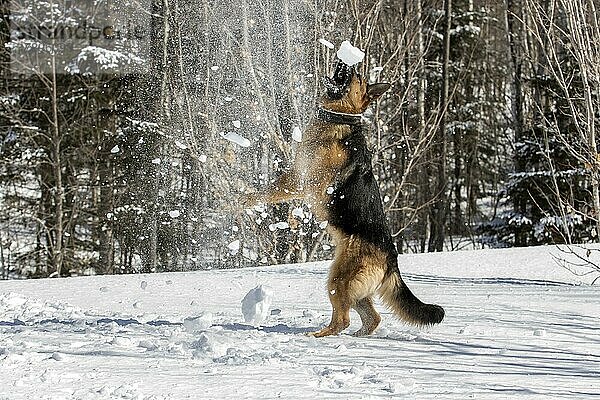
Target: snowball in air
x=174, y=213
x=297, y=134
x=279, y=225
x=234, y=247
x=235, y=138
x=326, y=43
x=298, y=212
x=115, y=149
x=349, y=54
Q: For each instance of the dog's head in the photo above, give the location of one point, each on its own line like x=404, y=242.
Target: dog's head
x=348, y=92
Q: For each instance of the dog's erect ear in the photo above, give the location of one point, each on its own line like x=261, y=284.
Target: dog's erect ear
x=375, y=90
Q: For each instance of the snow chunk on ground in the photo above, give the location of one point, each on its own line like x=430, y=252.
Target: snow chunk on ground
x=349, y=54
x=236, y=138
x=199, y=323
x=255, y=305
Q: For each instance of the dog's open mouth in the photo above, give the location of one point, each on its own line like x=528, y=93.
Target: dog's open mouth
x=337, y=85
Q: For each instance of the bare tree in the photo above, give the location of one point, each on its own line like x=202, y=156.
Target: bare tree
x=439, y=209
x=568, y=27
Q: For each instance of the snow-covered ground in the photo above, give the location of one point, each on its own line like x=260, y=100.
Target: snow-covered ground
x=517, y=326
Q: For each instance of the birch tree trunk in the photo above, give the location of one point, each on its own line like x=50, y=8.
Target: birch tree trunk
x=59, y=191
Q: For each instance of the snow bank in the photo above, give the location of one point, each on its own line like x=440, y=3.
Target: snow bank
x=542, y=263
x=23, y=309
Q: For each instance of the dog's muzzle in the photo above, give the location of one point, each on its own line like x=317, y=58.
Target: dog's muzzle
x=337, y=85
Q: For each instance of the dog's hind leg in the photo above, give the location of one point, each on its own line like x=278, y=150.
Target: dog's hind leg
x=341, y=303
x=368, y=315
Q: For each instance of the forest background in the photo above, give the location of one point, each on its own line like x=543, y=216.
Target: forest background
x=116, y=124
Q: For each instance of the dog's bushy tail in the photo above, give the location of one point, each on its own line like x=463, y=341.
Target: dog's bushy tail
x=403, y=303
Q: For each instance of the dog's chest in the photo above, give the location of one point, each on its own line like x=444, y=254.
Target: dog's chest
x=319, y=162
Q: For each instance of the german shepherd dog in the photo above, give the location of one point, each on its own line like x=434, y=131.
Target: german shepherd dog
x=333, y=173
